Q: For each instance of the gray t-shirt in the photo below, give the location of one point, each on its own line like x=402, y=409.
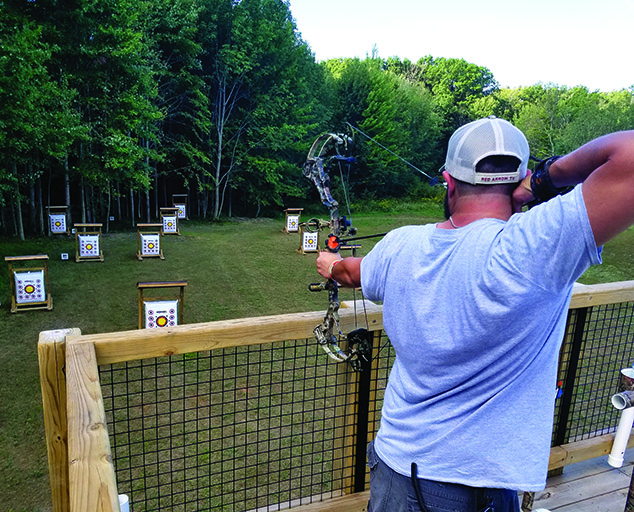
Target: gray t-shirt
x=476, y=316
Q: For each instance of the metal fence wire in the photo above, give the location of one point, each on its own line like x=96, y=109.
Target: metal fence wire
x=598, y=343
x=263, y=427
x=268, y=427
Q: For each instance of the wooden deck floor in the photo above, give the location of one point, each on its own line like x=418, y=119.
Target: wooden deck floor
x=590, y=486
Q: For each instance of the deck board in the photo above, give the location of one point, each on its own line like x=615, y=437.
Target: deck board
x=589, y=486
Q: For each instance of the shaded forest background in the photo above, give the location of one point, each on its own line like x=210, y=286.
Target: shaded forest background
x=112, y=106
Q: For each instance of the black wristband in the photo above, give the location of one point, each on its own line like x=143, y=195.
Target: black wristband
x=541, y=185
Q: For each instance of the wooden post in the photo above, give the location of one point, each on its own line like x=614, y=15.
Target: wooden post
x=91, y=475
x=51, y=351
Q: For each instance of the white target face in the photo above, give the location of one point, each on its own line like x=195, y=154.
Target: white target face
x=150, y=245
x=58, y=223
x=29, y=287
x=182, y=212
x=88, y=245
x=170, y=224
x=292, y=223
x=161, y=313
x=310, y=242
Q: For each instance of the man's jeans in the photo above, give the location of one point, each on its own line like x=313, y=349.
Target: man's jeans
x=393, y=492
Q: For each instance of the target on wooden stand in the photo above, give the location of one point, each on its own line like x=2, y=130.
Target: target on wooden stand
x=149, y=241
x=88, y=242
x=310, y=242
x=179, y=201
x=292, y=220
x=161, y=313
x=57, y=220
x=29, y=286
x=169, y=221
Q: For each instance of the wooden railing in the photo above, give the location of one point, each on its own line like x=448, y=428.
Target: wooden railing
x=82, y=472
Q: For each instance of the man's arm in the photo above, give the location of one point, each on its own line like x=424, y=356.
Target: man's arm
x=605, y=166
x=346, y=271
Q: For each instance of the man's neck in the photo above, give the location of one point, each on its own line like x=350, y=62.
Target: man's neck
x=472, y=208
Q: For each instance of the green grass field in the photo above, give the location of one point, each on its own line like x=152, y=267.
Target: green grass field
x=234, y=270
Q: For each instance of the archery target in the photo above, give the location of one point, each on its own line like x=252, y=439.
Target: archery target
x=29, y=287
x=182, y=212
x=292, y=223
x=58, y=223
x=150, y=245
x=310, y=242
x=170, y=224
x=161, y=313
x=88, y=246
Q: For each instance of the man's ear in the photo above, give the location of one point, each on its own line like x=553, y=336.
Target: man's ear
x=451, y=183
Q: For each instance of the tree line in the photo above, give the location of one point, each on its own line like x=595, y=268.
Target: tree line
x=112, y=106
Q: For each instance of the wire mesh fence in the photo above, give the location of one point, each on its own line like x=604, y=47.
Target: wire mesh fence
x=268, y=427
x=261, y=427
x=599, y=342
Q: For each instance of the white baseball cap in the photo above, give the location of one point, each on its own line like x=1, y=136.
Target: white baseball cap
x=486, y=137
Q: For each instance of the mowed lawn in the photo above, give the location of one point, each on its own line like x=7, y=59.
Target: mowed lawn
x=235, y=269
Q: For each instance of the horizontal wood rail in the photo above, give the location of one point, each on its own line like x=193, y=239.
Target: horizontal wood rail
x=123, y=346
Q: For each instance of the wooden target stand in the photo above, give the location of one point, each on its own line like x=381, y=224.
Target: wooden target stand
x=88, y=242
x=180, y=201
x=308, y=241
x=161, y=311
x=149, y=241
x=58, y=220
x=30, y=287
x=292, y=217
x=169, y=221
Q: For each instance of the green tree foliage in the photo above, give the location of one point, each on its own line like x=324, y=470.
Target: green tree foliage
x=37, y=124
x=102, y=99
x=398, y=114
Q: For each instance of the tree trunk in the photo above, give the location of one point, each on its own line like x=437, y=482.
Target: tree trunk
x=67, y=191
x=118, y=203
x=32, y=209
x=18, y=214
x=40, y=206
x=132, y=206
x=156, y=193
x=83, y=203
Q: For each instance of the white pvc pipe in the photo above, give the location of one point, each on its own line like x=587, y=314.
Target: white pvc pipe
x=124, y=503
x=615, y=459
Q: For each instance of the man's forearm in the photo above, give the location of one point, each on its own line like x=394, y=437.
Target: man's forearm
x=347, y=272
x=577, y=166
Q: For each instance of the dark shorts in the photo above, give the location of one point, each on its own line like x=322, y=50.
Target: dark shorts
x=393, y=492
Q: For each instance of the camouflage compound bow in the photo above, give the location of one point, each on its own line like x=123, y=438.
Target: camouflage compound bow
x=327, y=150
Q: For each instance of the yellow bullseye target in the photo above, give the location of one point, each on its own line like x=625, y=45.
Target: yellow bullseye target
x=161, y=313
x=150, y=244
x=310, y=242
x=58, y=223
x=88, y=245
x=29, y=287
